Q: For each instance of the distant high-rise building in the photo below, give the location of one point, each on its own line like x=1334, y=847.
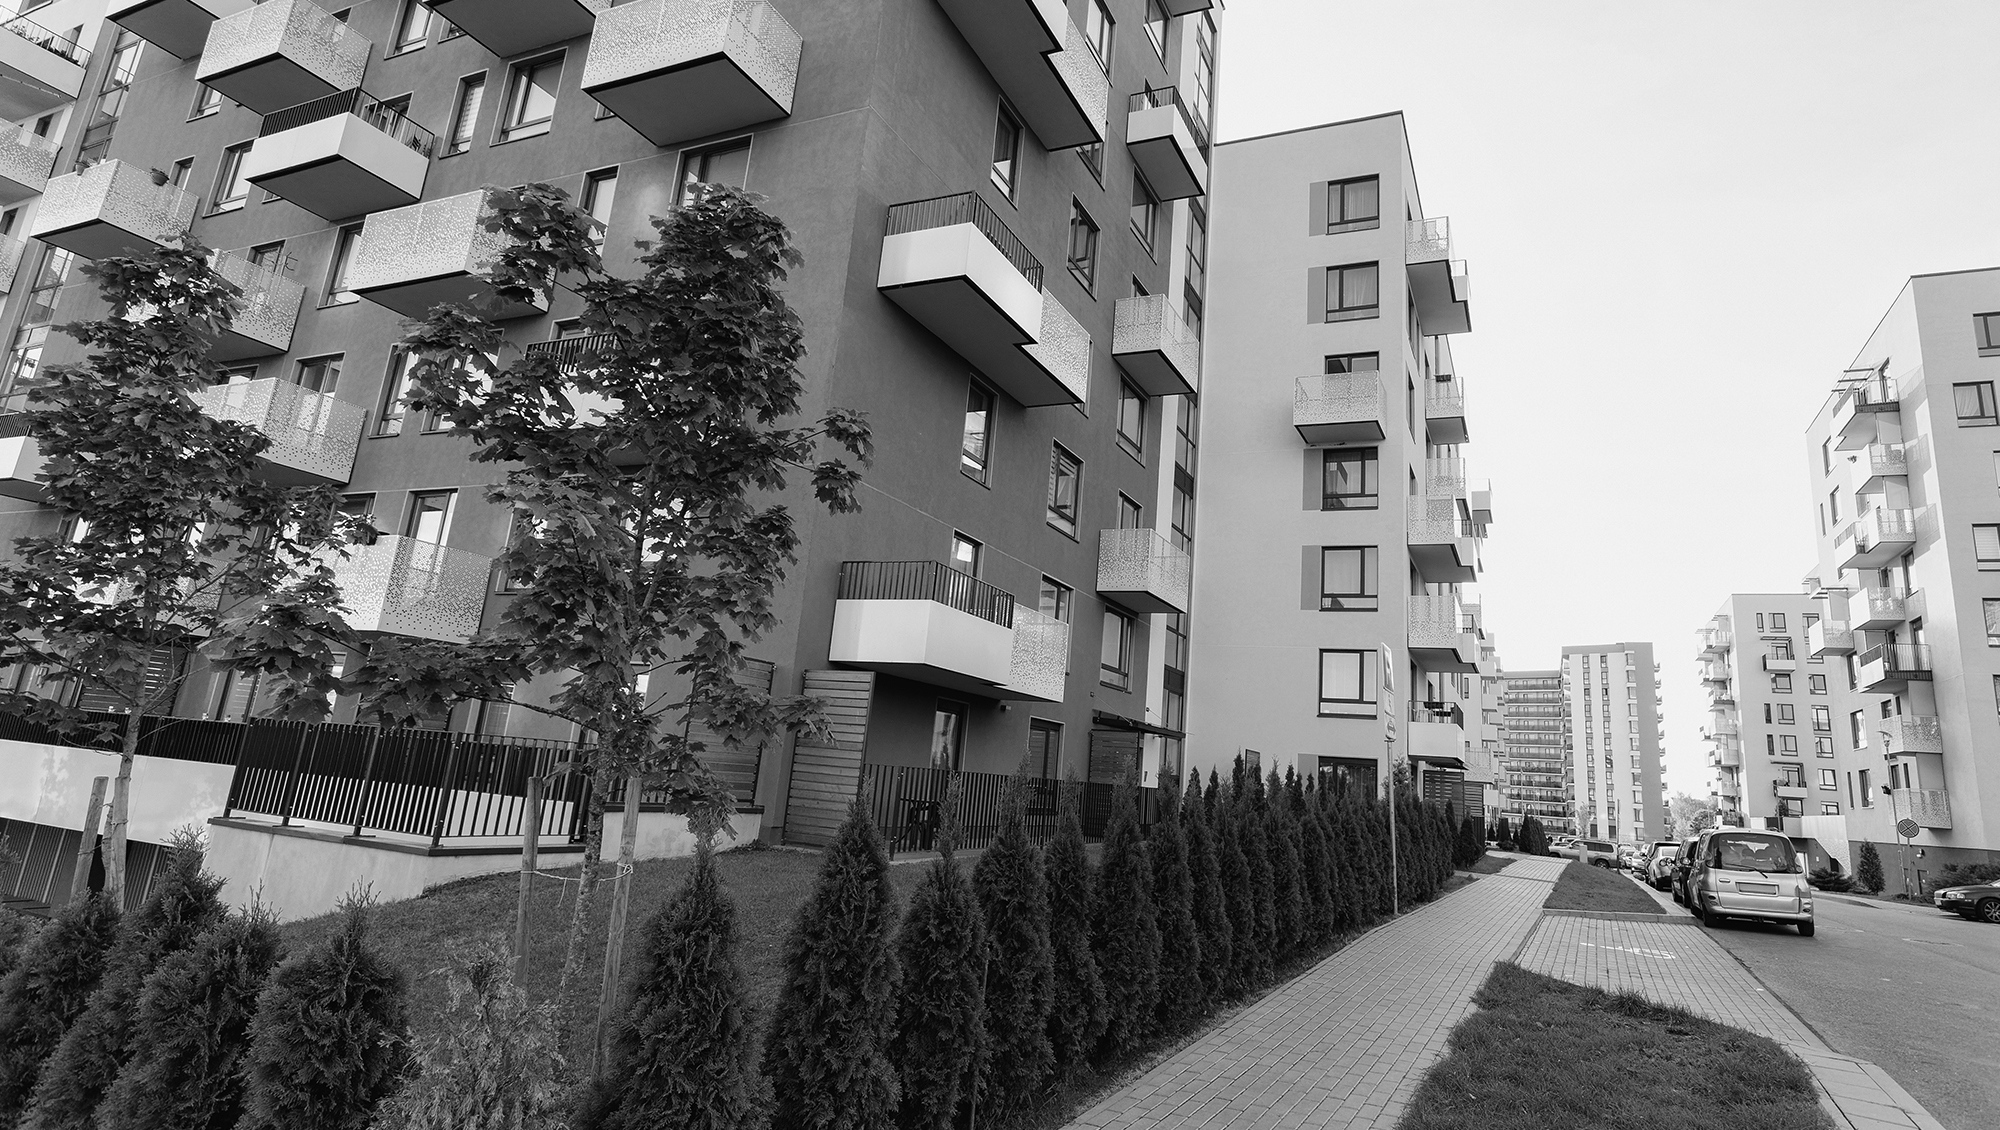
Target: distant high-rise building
x=1770, y=729
x=1534, y=766
x=1612, y=692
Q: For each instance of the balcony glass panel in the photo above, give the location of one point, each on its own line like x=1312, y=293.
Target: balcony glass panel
x=680, y=69
x=1142, y=570
x=112, y=208
x=282, y=53
x=405, y=587
x=313, y=436
x=1152, y=342
x=270, y=311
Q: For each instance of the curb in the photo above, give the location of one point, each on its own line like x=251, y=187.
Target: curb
x=1620, y=916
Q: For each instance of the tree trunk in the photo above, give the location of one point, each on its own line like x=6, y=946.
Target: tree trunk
x=121, y=807
x=614, y=939
x=586, y=888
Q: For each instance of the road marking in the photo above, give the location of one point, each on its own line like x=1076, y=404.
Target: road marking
x=1640, y=950
x=1929, y=942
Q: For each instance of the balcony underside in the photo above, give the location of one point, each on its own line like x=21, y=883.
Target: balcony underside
x=1164, y=150
x=924, y=641
x=510, y=27
x=1856, y=424
x=1154, y=372
x=1019, y=41
x=1143, y=601
x=235, y=345
x=955, y=282
x=1876, y=618
x=1186, y=7
x=1876, y=678
x=1441, y=308
x=699, y=97
x=414, y=298
x=270, y=84
x=20, y=462
x=33, y=79
x=1877, y=554
x=338, y=167
x=1460, y=659
x=1344, y=431
x=178, y=27
x=99, y=239
x=1451, y=562
x=1447, y=424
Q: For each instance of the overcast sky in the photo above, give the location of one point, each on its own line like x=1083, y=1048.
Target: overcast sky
x=1681, y=222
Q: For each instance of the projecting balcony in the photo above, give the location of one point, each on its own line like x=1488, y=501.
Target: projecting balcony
x=1438, y=283
x=1780, y=663
x=1167, y=143
x=1444, y=478
x=951, y=264
x=342, y=155
x=1930, y=808
x=25, y=160
x=1339, y=408
x=513, y=27
x=1729, y=756
x=1186, y=7
x=1041, y=657
x=1441, y=543
x=1482, y=503
x=1441, y=636
x=1437, y=733
x=1888, y=465
x=1716, y=641
x=313, y=436
x=1043, y=64
x=282, y=53
x=112, y=208
x=413, y=258
x=39, y=69
x=1829, y=637
x=1790, y=790
x=1878, y=610
x=926, y=621
x=1142, y=570
x=1864, y=406
x=1888, y=668
x=1721, y=726
x=10, y=261
x=20, y=462
x=1155, y=346
x=1878, y=537
x=401, y=586
x=270, y=311
x=1444, y=410
x=178, y=27
x=680, y=69
x=1906, y=734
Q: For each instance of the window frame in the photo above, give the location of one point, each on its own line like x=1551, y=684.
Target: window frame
x=464, y=128
x=519, y=82
x=229, y=173
x=1986, y=333
x=1367, y=685
x=398, y=42
x=391, y=411
x=345, y=239
x=1982, y=391
x=1368, y=456
x=1083, y=268
x=1099, y=32
x=1119, y=677
x=684, y=186
x=1133, y=401
x=1337, y=308
x=1065, y=520
x=207, y=101
x=1145, y=214
x=1009, y=184
x=1366, y=599
x=333, y=361
x=977, y=554
x=1987, y=558
x=977, y=466
x=1337, y=218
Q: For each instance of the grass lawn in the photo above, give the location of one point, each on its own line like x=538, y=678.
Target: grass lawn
x=1582, y=887
x=1490, y=864
x=1542, y=1054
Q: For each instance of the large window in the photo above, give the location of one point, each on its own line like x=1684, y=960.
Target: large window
x=1115, y=660
x=230, y=187
x=429, y=517
x=465, y=115
x=1353, y=363
x=1986, y=330
x=1353, y=291
x=531, y=97
x=1057, y=600
x=1132, y=420
x=1350, y=479
x=1082, y=246
x=125, y=52
x=1349, y=578
x=1822, y=719
x=1065, y=489
x=1353, y=205
x=318, y=374
x=1346, y=682
x=976, y=445
x=1045, y=748
x=728, y=163
x=341, y=264
x=1007, y=133
x=1974, y=401
x=948, y=734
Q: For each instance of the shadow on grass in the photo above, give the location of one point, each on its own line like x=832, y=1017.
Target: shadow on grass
x=1542, y=1054
x=1581, y=887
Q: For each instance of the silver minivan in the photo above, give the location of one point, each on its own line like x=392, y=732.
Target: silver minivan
x=1738, y=873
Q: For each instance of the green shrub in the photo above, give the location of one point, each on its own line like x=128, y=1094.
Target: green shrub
x=1251, y=837
x=16, y=931
x=494, y=1061
x=1868, y=872
x=1125, y=932
x=1239, y=903
x=1314, y=867
x=1289, y=904
x=941, y=1022
x=1020, y=978
x=1211, y=913
x=1827, y=879
x=46, y=990
x=1077, y=1017
x=1180, y=1000
x=1966, y=874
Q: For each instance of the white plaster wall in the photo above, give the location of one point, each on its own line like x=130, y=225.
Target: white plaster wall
x=50, y=784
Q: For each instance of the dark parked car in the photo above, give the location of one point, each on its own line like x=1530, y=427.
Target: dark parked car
x=1977, y=901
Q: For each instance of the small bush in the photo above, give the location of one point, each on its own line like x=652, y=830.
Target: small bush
x=1966, y=874
x=494, y=1061
x=941, y=1021
x=1827, y=879
x=46, y=990
x=1126, y=932
x=1020, y=984
x=1077, y=1019
x=1211, y=916
x=1180, y=1001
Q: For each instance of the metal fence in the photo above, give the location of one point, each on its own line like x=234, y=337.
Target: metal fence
x=371, y=110
x=967, y=208
x=926, y=580
x=177, y=739
x=907, y=804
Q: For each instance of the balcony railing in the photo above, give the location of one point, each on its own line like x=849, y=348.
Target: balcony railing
x=1910, y=733
x=1443, y=713
x=1829, y=637
x=371, y=110
x=61, y=46
x=1041, y=655
x=407, y=587
x=1437, y=621
x=1141, y=569
x=25, y=160
x=1856, y=415
x=1338, y=407
x=178, y=27
x=269, y=312
x=1888, y=460
x=967, y=208
x=1156, y=347
x=1930, y=808
x=925, y=580
x=1163, y=97
x=1881, y=608
x=569, y=351
x=112, y=208
x=412, y=258
x=314, y=436
x=1886, y=664
x=1444, y=478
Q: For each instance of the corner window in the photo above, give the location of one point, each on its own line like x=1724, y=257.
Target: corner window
x=1353, y=205
x=1132, y=421
x=465, y=115
x=341, y=264
x=1082, y=246
x=230, y=187
x=1349, y=479
x=1346, y=682
x=975, y=447
x=1115, y=659
x=1065, y=488
x=1007, y=133
x=1986, y=330
x=1353, y=291
x=1349, y=578
x=728, y=163
x=531, y=97
x=1974, y=401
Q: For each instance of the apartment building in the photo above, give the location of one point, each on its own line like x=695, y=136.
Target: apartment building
x=1339, y=526
x=1612, y=693
x=1771, y=708
x=1002, y=207
x=1534, y=770
x=1904, y=461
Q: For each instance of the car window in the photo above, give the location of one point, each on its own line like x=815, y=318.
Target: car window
x=1744, y=853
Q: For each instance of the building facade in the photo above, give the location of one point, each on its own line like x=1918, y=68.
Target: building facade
x=1534, y=770
x=1613, y=699
x=1339, y=526
x=1771, y=707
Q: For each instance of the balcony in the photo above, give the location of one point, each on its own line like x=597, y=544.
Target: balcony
x=1043, y=65
x=112, y=209
x=513, y=27
x=282, y=53
x=413, y=258
x=1789, y=790
x=1437, y=733
x=1186, y=7
x=1729, y=756
x=1167, y=144
x=1142, y=570
x=1482, y=504
x=1888, y=464
x=1716, y=641
x=313, y=436
x=178, y=27
x=1444, y=478
x=39, y=69
x=1878, y=610
x=1441, y=636
x=1444, y=410
x=10, y=261
x=1721, y=726
x=1878, y=537
x=1829, y=637
x=1155, y=346
x=1856, y=419
x=20, y=462
x=1338, y=408
x=1887, y=668
x=681, y=69
x=342, y=155
x=1780, y=663
x=1441, y=543
x=25, y=160
x=1930, y=808
x=1906, y=734
x=926, y=621
x=263, y=325
x=951, y=264
x=1438, y=283
x=404, y=587
x=1041, y=657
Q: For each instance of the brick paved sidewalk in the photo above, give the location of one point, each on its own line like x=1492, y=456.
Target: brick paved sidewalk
x=1344, y=1044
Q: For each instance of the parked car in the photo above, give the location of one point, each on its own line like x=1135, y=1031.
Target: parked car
x=1597, y=853
x=1738, y=873
x=1659, y=872
x=1977, y=901
x=1683, y=863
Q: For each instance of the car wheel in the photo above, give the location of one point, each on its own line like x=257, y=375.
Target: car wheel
x=1708, y=916
x=1989, y=909
x=1805, y=929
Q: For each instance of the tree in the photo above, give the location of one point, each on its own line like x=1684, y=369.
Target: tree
x=826, y=1053
x=1126, y=932
x=493, y=1064
x=1020, y=983
x=1471, y=841
x=191, y=1030
x=1288, y=896
x=327, y=1041
x=1243, y=973
x=1211, y=913
x=173, y=536
x=648, y=474
x=1502, y=834
x=1078, y=1018
x=1691, y=816
x=941, y=1023
x=1531, y=838
x=1868, y=872
x=1181, y=999
x=683, y=1054
x=46, y=990
x=1262, y=954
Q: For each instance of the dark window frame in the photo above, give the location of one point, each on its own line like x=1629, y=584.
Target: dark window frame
x=1370, y=460
x=1369, y=597
x=1338, y=218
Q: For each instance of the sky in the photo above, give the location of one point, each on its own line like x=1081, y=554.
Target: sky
x=1681, y=221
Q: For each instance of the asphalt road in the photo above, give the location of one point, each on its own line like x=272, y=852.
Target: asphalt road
x=1912, y=989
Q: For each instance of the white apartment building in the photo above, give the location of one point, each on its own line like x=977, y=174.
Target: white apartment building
x=1771, y=758
x=1612, y=692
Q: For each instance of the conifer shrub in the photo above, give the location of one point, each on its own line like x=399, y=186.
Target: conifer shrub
x=1078, y=1015
x=1125, y=932
x=1251, y=837
x=46, y=990
x=1315, y=871
x=826, y=1053
x=1503, y=834
x=327, y=1040
x=941, y=1023
x=1868, y=871
x=1471, y=841
x=1211, y=914
x=191, y=1030
x=16, y=931
x=1020, y=978
x=1239, y=903
x=1531, y=838
x=1281, y=839
x=1181, y=999
x=494, y=1061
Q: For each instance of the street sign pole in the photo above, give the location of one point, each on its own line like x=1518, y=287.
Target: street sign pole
x=1385, y=659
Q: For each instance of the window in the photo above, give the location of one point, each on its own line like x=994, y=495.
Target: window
x=1145, y=213
x=1132, y=420
x=1045, y=748
x=966, y=554
x=1777, y=621
x=1829, y=810
x=429, y=518
x=1986, y=330
x=1353, y=291
x=1986, y=546
x=1156, y=26
x=728, y=163
x=125, y=52
x=1975, y=404
x=1760, y=616
x=1349, y=479
x=1822, y=719
x=1353, y=205
x=1115, y=657
x=1082, y=246
x=1786, y=714
x=1791, y=777
x=1197, y=249
x=207, y=100
x=1131, y=515
x=318, y=374
x=1781, y=684
x=1007, y=133
x=1867, y=791
x=1346, y=682
x=1822, y=747
x=975, y=447
x=1097, y=24
x=342, y=263
x=1781, y=649
x=1826, y=457
x=599, y=190
x=1057, y=599
x=1092, y=156
x=465, y=114
x=1349, y=578
x=1857, y=727
x=395, y=390
x=948, y=734
x=1788, y=744
x=1204, y=72
x=1816, y=684
x=1183, y=517
x=1353, y=363
x=413, y=26
x=1065, y=488
x=1828, y=780
x=269, y=256
x=230, y=187
x=531, y=97
x=1833, y=507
